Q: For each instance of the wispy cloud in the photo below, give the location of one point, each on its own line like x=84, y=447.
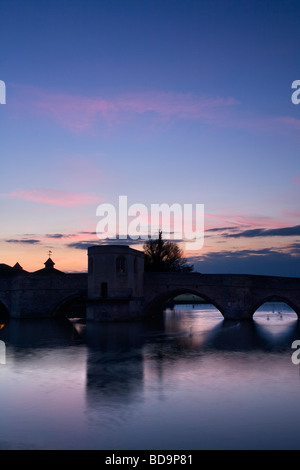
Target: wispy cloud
x=24, y=240
x=84, y=113
x=79, y=113
x=222, y=229
x=293, y=248
x=58, y=235
x=54, y=197
x=288, y=122
x=261, y=232
x=265, y=261
x=239, y=220
x=85, y=244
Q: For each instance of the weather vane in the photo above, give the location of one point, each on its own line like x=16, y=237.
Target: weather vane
x=49, y=253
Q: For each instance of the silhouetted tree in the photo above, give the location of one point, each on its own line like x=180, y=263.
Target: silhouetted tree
x=164, y=256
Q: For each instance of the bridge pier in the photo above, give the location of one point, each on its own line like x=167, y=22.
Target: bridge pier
x=237, y=303
x=115, y=283
x=234, y=311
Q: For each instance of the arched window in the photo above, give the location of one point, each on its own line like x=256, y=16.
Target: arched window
x=121, y=264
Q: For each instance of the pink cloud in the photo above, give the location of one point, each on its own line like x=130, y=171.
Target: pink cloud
x=183, y=106
x=54, y=197
x=234, y=219
x=290, y=213
x=80, y=113
x=242, y=221
x=289, y=122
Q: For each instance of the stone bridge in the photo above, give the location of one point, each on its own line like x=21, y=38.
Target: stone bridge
x=117, y=288
x=236, y=296
x=42, y=294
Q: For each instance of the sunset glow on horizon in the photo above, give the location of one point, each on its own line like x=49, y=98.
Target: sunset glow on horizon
x=164, y=102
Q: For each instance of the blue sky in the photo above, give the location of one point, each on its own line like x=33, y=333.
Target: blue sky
x=162, y=101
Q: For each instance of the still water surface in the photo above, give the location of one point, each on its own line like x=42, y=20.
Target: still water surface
x=187, y=381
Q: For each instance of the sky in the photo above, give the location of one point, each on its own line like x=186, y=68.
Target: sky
x=161, y=101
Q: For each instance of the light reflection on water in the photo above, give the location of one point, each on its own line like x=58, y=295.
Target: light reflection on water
x=189, y=380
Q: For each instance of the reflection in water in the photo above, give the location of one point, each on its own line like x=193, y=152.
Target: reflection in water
x=112, y=350
x=276, y=314
x=189, y=380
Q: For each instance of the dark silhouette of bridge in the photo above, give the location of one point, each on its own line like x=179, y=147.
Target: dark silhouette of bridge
x=117, y=288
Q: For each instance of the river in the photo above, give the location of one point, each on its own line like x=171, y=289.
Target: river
x=186, y=380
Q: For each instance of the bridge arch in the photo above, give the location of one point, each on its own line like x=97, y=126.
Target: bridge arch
x=276, y=298
x=156, y=304
x=71, y=307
